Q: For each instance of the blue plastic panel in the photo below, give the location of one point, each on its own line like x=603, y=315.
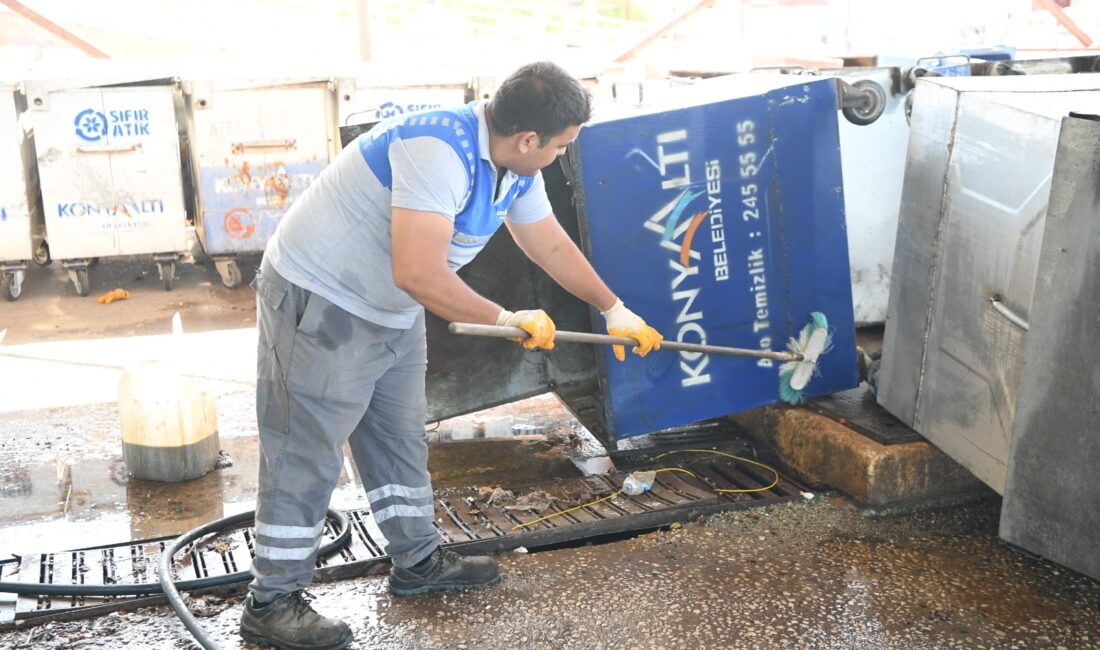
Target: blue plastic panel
x=720, y=223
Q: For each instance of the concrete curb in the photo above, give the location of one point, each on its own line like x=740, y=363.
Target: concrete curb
x=882, y=479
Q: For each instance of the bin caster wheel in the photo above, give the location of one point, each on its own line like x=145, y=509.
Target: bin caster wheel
x=79, y=277
x=167, y=273
x=13, y=285
x=870, y=102
x=41, y=255
x=909, y=108
x=230, y=273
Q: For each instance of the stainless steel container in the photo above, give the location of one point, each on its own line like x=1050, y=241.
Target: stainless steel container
x=974, y=203
x=1051, y=491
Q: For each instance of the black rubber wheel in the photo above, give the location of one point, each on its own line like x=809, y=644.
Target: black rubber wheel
x=80, y=281
x=914, y=74
x=873, y=106
x=909, y=108
x=168, y=274
x=41, y=255
x=232, y=276
x=13, y=288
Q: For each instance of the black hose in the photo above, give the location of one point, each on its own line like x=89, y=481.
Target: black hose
x=169, y=587
x=164, y=569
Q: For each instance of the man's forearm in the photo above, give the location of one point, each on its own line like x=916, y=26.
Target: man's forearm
x=568, y=266
x=575, y=274
x=447, y=296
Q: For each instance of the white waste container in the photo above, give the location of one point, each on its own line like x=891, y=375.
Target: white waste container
x=367, y=99
x=111, y=172
x=22, y=234
x=256, y=144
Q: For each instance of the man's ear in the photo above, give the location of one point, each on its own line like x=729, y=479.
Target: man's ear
x=526, y=141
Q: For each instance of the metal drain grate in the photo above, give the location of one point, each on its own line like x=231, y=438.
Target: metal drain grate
x=466, y=523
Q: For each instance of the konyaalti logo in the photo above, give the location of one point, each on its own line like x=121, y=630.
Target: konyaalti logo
x=676, y=226
x=676, y=222
x=91, y=125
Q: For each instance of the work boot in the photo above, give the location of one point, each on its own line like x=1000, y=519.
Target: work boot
x=289, y=623
x=445, y=569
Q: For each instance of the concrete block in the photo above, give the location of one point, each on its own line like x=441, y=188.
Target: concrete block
x=880, y=478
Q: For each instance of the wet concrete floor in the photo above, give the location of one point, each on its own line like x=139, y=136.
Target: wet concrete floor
x=813, y=574
x=63, y=477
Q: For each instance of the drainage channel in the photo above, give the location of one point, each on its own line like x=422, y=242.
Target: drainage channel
x=467, y=523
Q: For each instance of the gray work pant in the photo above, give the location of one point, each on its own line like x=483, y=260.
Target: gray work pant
x=325, y=377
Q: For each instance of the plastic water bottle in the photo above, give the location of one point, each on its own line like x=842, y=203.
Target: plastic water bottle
x=638, y=483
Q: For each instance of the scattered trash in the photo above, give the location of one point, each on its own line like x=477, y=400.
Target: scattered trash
x=807, y=495
x=638, y=482
x=536, y=502
x=522, y=550
x=498, y=495
x=111, y=296
x=224, y=460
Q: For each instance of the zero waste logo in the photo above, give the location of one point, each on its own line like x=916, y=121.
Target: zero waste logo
x=91, y=125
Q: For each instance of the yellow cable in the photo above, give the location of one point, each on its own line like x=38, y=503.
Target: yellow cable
x=668, y=469
x=674, y=469
x=558, y=514
x=775, y=474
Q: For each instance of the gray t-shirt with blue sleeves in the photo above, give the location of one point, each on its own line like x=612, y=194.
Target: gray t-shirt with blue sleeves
x=335, y=239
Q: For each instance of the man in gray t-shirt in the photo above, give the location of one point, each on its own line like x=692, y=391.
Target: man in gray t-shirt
x=341, y=294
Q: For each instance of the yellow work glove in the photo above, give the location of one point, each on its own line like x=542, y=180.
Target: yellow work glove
x=535, y=322
x=623, y=322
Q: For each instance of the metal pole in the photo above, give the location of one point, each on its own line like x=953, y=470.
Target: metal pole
x=55, y=29
x=474, y=329
x=666, y=28
x=1066, y=21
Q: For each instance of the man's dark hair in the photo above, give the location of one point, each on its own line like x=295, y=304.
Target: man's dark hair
x=539, y=97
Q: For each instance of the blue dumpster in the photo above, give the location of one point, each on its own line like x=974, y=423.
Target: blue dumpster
x=719, y=219
x=721, y=222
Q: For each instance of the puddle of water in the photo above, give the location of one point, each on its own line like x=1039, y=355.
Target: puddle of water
x=61, y=505
x=64, y=484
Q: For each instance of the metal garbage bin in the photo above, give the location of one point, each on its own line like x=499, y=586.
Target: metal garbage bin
x=256, y=145
x=873, y=139
x=973, y=209
x=111, y=172
x=1051, y=493
x=718, y=218
x=366, y=99
x=22, y=232
x=873, y=153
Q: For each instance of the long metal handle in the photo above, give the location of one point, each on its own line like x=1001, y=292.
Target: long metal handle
x=264, y=145
x=497, y=331
x=132, y=148
x=1013, y=317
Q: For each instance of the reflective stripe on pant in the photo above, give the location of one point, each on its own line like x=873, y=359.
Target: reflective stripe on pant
x=324, y=376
